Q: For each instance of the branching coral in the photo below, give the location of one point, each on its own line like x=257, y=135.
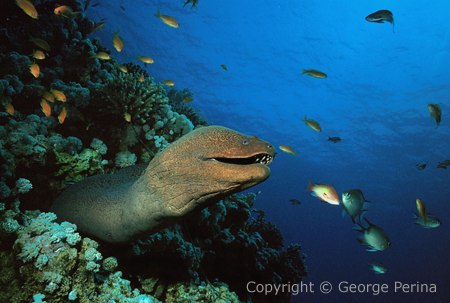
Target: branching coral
x=42, y=157
x=224, y=243
x=78, y=166
x=56, y=263
x=180, y=102
x=206, y=292
x=140, y=106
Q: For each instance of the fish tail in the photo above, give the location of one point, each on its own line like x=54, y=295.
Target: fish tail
x=310, y=186
x=367, y=220
x=158, y=13
x=359, y=227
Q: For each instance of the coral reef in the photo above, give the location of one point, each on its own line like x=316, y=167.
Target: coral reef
x=51, y=261
x=206, y=292
x=114, y=119
x=223, y=242
x=180, y=102
x=78, y=166
x=142, y=108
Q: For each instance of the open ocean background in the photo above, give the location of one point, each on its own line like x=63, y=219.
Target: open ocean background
x=375, y=98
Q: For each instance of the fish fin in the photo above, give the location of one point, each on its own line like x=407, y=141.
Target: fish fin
x=361, y=215
x=359, y=228
x=310, y=186
x=343, y=213
x=361, y=241
x=371, y=250
x=368, y=222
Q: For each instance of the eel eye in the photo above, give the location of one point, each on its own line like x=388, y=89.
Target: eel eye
x=245, y=141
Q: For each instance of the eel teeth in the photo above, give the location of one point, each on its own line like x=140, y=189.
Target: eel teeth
x=266, y=159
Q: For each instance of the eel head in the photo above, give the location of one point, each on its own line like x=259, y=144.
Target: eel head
x=207, y=165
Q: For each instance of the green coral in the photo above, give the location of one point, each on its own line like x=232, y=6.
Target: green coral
x=78, y=166
x=205, y=293
x=52, y=260
x=146, y=122
x=180, y=102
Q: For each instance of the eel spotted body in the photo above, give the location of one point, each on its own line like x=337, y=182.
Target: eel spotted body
x=196, y=170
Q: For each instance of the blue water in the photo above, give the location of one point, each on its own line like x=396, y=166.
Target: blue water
x=375, y=98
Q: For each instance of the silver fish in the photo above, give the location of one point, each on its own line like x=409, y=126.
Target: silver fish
x=353, y=203
x=378, y=268
x=431, y=222
x=374, y=237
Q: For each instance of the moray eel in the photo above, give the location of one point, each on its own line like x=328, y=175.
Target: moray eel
x=196, y=170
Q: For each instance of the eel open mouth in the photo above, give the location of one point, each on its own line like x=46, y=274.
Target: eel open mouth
x=263, y=158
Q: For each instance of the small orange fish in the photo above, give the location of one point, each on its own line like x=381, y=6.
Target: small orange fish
x=49, y=97
x=168, y=20
x=314, y=125
x=38, y=55
x=141, y=78
x=10, y=108
x=46, y=108
x=287, y=149
x=127, y=117
x=62, y=115
x=59, y=95
x=28, y=8
x=187, y=99
x=64, y=10
x=421, y=209
x=169, y=82
x=35, y=70
x=324, y=192
x=146, y=60
x=123, y=68
x=117, y=42
x=103, y=56
x=41, y=43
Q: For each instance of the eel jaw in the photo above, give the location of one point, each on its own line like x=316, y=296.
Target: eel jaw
x=261, y=158
x=236, y=173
